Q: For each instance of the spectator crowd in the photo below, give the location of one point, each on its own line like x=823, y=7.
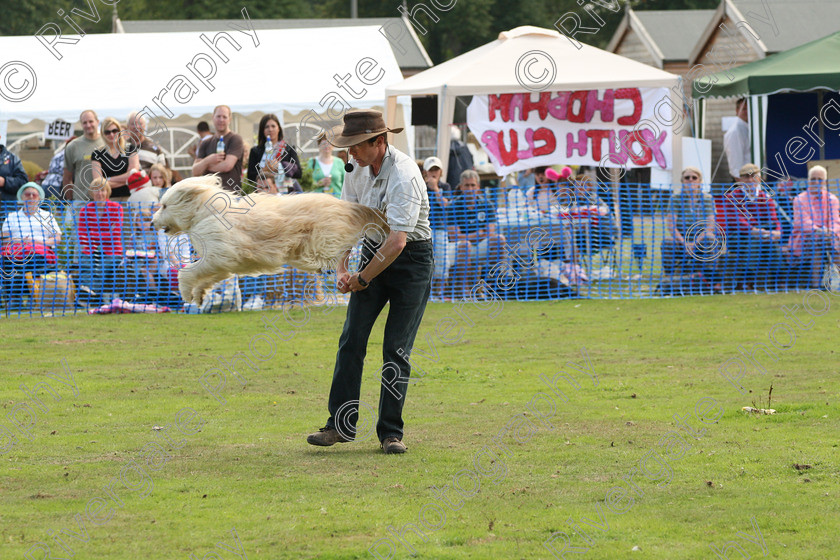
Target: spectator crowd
x=105, y=185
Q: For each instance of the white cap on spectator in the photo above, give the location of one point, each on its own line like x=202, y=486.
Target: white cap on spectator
x=432, y=162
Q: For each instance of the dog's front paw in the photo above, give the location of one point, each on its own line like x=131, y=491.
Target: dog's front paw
x=185, y=291
x=197, y=296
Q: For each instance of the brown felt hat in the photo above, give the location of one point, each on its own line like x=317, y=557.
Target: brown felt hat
x=359, y=125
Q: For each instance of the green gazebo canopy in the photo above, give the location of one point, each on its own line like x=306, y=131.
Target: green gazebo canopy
x=810, y=66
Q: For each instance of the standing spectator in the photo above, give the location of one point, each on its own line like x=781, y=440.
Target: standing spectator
x=327, y=170
x=472, y=219
x=816, y=225
x=100, y=237
x=112, y=162
x=736, y=141
x=204, y=133
x=460, y=158
x=53, y=181
x=753, y=230
x=689, y=221
x=270, y=145
x=440, y=196
x=146, y=149
x=78, y=169
x=29, y=237
x=223, y=153
x=12, y=178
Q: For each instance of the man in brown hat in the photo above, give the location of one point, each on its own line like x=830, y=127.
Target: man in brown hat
x=395, y=268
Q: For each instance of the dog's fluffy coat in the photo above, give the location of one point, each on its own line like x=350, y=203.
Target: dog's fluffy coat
x=258, y=234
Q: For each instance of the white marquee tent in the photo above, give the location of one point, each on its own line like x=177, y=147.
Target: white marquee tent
x=251, y=71
x=492, y=68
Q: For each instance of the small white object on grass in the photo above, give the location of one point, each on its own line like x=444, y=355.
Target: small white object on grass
x=758, y=410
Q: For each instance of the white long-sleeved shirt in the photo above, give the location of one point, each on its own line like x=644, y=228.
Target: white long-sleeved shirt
x=736, y=144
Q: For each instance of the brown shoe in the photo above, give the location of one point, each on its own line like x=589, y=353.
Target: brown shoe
x=325, y=437
x=393, y=445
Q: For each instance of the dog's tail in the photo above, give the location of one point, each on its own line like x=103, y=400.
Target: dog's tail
x=369, y=219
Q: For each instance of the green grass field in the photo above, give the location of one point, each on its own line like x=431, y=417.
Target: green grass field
x=647, y=439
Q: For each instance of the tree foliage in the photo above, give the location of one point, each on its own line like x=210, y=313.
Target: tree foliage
x=447, y=28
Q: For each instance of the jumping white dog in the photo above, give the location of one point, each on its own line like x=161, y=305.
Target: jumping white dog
x=260, y=233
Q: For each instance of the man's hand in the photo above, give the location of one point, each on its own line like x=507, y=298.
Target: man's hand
x=2, y=181
x=343, y=283
x=432, y=184
x=354, y=285
x=349, y=283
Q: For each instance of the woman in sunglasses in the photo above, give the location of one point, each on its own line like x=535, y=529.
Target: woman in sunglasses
x=692, y=244
x=111, y=162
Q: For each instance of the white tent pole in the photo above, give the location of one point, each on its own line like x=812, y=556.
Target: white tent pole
x=446, y=112
x=676, y=138
x=390, y=111
x=763, y=99
x=758, y=124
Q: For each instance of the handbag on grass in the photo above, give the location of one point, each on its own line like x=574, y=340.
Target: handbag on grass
x=831, y=277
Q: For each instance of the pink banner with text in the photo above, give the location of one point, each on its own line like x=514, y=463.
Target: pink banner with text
x=607, y=128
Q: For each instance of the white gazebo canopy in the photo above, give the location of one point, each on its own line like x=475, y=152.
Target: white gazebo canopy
x=249, y=70
x=492, y=69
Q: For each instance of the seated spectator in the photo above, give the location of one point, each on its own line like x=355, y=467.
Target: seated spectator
x=272, y=153
x=690, y=226
x=29, y=238
x=254, y=289
x=525, y=179
x=553, y=196
x=100, y=238
x=544, y=195
x=440, y=197
x=112, y=162
x=173, y=254
x=142, y=204
x=816, y=225
x=786, y=190
x=327, y=170
x=267, y=183
x=587, y=204
x=471, y=219
x=753, y=231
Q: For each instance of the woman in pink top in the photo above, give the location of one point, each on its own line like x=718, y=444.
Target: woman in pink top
x=816, y=224
x=100, y=236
